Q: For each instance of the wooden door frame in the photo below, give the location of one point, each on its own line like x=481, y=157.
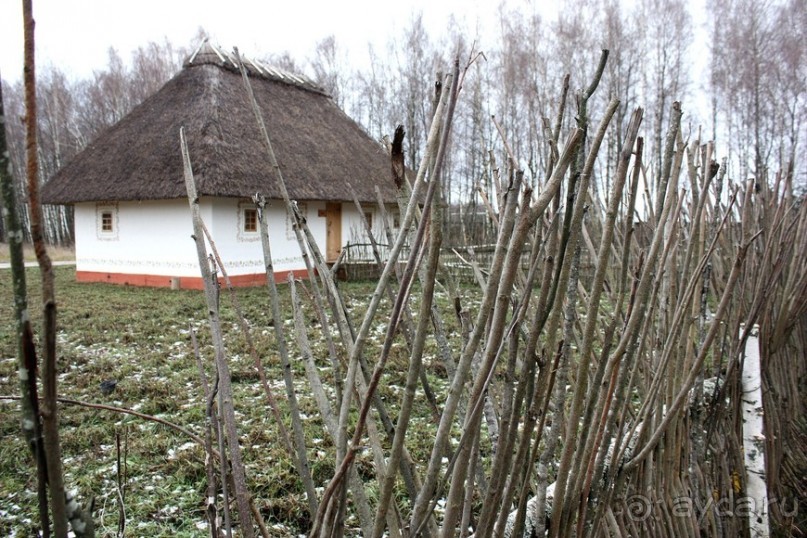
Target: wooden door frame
x=333, y=231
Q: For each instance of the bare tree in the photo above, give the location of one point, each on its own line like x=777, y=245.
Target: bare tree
x=667, y=32
x=758, y=72
x=329, y=69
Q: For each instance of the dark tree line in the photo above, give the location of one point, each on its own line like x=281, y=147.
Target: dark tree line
x=73, y=112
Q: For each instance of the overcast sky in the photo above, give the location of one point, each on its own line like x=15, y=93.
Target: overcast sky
x=76, y=34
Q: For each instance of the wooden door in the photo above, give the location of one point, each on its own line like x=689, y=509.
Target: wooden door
x=333, y=231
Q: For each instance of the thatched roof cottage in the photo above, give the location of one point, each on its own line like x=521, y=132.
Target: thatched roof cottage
x=132, y=220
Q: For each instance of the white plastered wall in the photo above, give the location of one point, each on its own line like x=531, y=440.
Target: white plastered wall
x=353, y=228
x=154, y=237
x=353, y=231
x=241, y=251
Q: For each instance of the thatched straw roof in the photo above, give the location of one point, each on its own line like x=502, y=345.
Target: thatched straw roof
x=318, y=147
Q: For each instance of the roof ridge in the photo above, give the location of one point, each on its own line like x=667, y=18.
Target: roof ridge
x=207, y=53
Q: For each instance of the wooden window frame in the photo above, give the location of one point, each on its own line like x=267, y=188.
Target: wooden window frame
x=107, y=225
x=244, y=232
x=250, y=224
x=107, y=222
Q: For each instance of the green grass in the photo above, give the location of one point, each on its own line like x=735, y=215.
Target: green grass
x=140, y=337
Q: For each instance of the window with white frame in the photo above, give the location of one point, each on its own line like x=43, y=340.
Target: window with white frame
x=248, y=225
x=106, y=221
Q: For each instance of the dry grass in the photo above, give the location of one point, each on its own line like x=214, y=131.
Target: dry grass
x=57, y=253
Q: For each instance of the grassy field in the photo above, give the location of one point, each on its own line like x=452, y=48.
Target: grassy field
x=141, y=338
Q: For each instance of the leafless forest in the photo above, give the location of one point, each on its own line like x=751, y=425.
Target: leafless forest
x=605, y=383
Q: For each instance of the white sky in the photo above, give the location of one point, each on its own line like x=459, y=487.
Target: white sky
x=76, y=34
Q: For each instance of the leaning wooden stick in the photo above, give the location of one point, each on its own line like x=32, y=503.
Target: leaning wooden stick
x=225, y=402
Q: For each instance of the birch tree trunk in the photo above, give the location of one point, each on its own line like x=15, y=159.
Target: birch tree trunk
x=754, y=438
